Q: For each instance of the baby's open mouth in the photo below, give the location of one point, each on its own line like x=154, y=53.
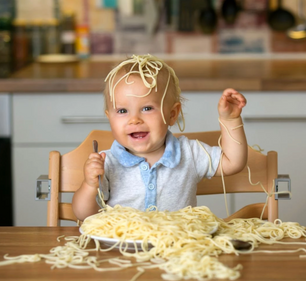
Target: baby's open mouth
x=138, y=135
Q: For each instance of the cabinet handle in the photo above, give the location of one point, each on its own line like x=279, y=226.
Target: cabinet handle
x=83, y=119
x=274, y=119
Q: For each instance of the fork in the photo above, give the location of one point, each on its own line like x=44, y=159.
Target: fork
x=95, y=149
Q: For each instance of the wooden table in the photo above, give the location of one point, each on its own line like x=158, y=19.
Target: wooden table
x=31, y=240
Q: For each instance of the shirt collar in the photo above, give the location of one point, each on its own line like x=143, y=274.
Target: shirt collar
x=170, y=158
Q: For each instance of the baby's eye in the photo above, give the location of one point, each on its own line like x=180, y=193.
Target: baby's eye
x=147, y=108
x=121, y=111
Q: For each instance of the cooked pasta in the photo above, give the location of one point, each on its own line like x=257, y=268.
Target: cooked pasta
x=182, y=243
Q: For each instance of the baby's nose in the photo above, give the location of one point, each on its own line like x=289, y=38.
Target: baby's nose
x=135, y=119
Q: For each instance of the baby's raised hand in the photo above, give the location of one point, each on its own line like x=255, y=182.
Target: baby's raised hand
x=94, y=166
x=231, y=104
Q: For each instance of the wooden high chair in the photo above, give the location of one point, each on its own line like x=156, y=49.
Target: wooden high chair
x=66, y=175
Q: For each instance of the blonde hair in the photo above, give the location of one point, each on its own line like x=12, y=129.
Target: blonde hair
x=153, y=72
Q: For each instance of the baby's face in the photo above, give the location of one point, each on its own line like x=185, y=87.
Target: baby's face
x=137, y=121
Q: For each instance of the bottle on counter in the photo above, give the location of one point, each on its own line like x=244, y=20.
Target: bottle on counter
x=68, y=33
x=82, y=41
x=82, y=33
x=37, y=42
x=51, y=36
x=20, y=42
x=5, y=45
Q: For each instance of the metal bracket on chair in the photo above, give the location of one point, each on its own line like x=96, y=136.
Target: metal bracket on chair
x=283, y=179
x=43, y=188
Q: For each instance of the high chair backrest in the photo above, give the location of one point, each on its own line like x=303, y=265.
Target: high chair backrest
x=66, y=175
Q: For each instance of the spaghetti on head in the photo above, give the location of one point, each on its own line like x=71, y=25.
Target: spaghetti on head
x=156, y=75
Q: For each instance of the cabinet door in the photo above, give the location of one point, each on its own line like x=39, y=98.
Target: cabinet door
x=57, y=118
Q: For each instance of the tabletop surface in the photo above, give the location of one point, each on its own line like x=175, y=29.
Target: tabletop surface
x=31, y=240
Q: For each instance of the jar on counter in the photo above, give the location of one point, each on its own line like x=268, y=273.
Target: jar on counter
x=5, y=38
x=20, y=42
x=5, y=46
x=36, y=38
x=68, y=33
x=51, y=36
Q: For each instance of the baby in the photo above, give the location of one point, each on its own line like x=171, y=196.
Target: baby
x=147, y=167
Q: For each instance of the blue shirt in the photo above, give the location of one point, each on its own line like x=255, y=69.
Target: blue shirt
x=170, y=184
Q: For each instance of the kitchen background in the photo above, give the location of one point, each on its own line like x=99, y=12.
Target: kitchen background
x=37, y=99
x=30, y=28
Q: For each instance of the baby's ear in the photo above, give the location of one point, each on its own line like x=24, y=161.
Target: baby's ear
x=174, y=113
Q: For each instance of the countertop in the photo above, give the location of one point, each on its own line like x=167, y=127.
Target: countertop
x=195, y=75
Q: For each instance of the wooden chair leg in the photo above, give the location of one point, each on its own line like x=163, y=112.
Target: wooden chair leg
x=54, y=175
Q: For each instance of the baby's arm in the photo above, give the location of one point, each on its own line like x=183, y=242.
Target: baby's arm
x=233, y=141
x=84, y=200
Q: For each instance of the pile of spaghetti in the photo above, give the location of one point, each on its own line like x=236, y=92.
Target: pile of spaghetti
x=184, y=244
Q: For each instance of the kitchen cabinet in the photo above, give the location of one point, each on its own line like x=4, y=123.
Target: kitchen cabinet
x=61, y=121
